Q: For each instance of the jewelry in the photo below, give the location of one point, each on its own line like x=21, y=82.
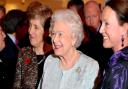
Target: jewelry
x=122, y=39
x=41, y=60
x=78, y=70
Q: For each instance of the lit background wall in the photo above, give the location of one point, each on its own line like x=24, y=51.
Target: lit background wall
x=22, y=4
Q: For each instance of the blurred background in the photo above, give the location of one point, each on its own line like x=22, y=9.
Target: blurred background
x=23, y=4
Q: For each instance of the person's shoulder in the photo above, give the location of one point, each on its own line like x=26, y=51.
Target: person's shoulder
x=88, y=61
x=26, y=49
x=52, y=58
x=87, y=58
x=50, y=62
x=123, y=63
x=119, y=66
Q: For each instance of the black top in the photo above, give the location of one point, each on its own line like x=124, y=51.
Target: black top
x=41, y=60
x=8, y=59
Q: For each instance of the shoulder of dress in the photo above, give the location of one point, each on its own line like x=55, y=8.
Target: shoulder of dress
x=51, y=60
x=51, y=57
x=88, y=59
x=26, y=50
x=87, y=62
x=26, y=53
x=122, y=63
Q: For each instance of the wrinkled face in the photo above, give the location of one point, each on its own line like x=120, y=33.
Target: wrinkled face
x=62, y=40
x=111, y=30
x=2, y=37
x=36, y=32
x=92, y=16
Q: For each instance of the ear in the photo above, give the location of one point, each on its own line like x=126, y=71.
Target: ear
x=73, y=40
x=3, y=34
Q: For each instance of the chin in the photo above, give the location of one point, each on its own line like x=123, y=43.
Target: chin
x=33, y=44
x=107, y=45
x=56, y=53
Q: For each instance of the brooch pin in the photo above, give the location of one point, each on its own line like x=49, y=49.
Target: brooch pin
x=78, y=71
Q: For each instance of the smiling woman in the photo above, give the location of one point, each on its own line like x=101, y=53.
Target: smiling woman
x=114, y=29
x=68, y=68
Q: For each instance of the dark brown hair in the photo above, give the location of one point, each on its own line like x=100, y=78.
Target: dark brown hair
x=2, y=8
x=121, y=9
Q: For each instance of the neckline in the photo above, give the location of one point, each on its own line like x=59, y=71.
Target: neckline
x=76, y=65
x=42, y=59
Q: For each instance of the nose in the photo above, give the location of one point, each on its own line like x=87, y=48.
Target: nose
x=88, y=21
x=91, y=21
x=55, y=38
x=30, y=31
x=101, y=28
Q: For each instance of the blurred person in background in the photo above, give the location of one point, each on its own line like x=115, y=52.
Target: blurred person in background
x=10, y=52
x=2, y=12
x=92, y=12
x=10, y=24
x=22, y=32
x=32, y=5
x=3, y=65
x=7, y=61
x=77, y=6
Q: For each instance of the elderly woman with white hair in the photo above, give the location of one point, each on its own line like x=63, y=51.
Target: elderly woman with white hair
x=68, y=68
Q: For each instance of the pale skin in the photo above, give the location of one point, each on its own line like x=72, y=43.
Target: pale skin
x=92, y=14
x=112, y=31
x=36, y=32
x=63, y=45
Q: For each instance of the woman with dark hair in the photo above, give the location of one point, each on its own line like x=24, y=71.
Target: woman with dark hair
x=115, y=35
x=78, y=7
